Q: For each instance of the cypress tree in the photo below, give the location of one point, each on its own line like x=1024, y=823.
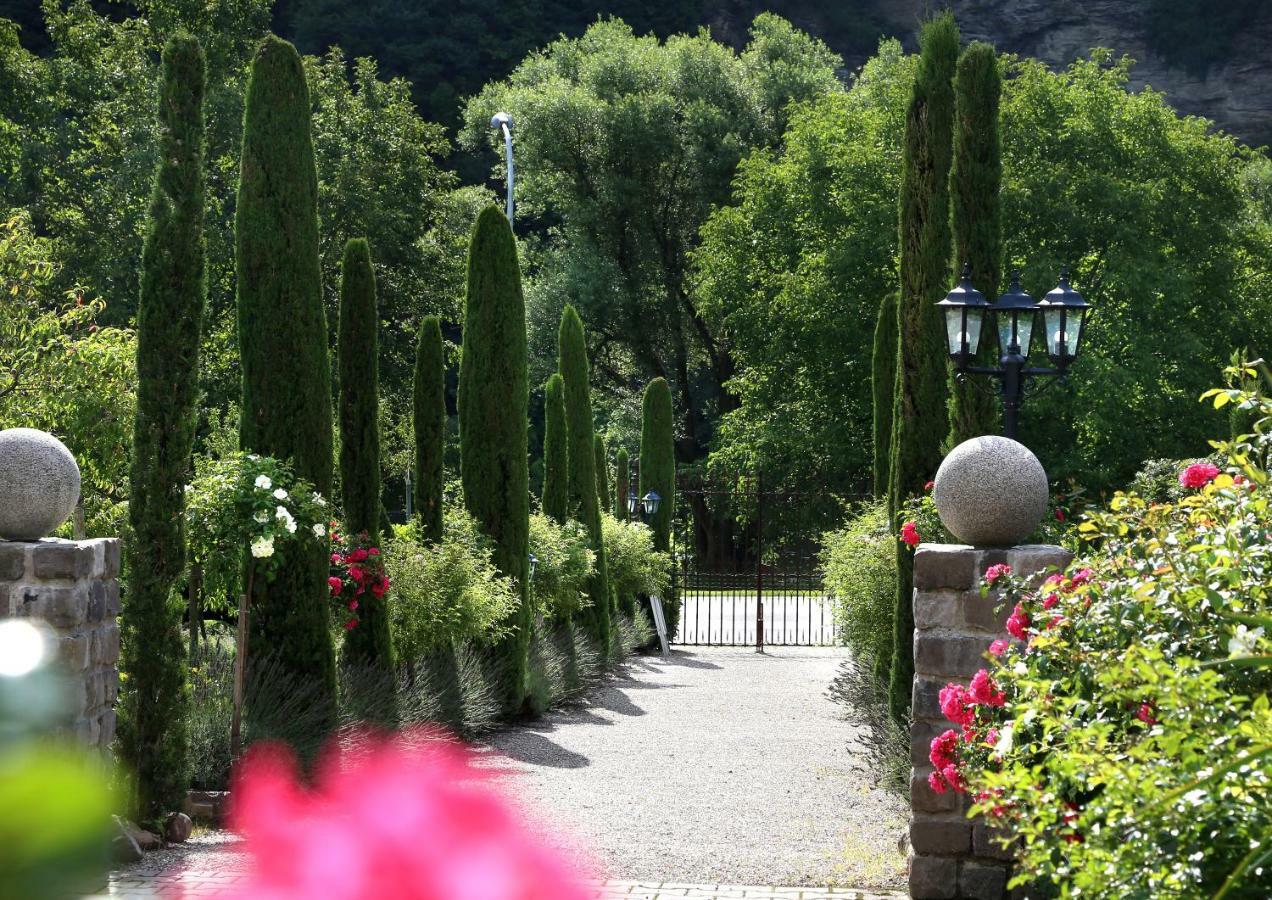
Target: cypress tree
x=658, y=474
x=173, y=289
x=622, y=484
x=975, y=177
x=920, y=420
x=583, y=502
x=430, y=428
x=883, y=369
x=493, y=398
x=369, y=645
x=282, y=332
x=556, y=483
x=602, y=474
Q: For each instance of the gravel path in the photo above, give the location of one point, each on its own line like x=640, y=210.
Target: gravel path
x=716, y=765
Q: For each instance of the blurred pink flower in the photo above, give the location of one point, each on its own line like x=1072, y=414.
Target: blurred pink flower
x=395, y=819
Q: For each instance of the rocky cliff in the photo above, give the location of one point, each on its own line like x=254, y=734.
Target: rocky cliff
x=1211, y=58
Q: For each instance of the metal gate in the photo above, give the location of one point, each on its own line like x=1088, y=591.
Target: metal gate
x=767, y=589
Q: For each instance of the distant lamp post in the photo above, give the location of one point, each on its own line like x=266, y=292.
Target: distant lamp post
x=534, y=563
x=503, y=122
x=1012, y=319
x=645, y=507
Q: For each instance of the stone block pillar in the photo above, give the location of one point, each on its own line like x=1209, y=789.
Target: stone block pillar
x=73, y=588
x=953, y=857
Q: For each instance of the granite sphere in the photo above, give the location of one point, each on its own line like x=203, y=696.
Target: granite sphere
x=39, y=484
x=991, y=492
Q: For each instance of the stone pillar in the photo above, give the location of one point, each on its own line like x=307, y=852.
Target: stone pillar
x=953, y=857
x=73, y=588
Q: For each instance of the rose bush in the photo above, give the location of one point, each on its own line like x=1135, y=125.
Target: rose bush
x=357, y=575
x=1122, y=731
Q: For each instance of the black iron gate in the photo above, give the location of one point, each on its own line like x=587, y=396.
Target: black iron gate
x=761, y=582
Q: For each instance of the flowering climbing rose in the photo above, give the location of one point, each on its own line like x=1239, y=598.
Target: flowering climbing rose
x=1198, y=475
x=910, y=534
x=993, y=573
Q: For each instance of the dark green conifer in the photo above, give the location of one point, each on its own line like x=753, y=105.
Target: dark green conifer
x=152, y=737
x=602, y=474
x=493, y=398
x=282, y=332
x=975, y=178
x=622, y=484
x=556, y=476
x=430, y=428
x=920, y=419
x=368, y=646
x=658, y=474
x=583, y=502
x=883, y=377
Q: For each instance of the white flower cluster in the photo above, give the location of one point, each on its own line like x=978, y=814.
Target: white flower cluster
x=288, y=521
x=263, y=548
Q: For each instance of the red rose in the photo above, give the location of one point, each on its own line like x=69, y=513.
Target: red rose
x=335, y=584
x=1198, y=475
x=380, y=587
x=356, y=573
x=910, y=534
x=353, y=605
x=929, y=486
x=350, y=625
x=358, y=555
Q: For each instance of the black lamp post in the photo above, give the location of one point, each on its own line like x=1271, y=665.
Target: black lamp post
x=645, y=507
x=1013, y=316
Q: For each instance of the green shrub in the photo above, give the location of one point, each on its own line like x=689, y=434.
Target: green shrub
x=446, y=593
x=1131, y=742
x=429, y=423
x=1157, y=481
x=635, y=567
x=564, y=561
x=861, y=573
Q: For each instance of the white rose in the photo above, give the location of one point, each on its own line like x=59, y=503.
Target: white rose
x=318, y=499
x=1244, y=641
x=280, y=494
x=261, y=517
x=263, y=547
x=320, y=530
x=263, y=482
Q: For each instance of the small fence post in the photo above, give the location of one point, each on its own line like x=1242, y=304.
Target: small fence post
x=759, y=562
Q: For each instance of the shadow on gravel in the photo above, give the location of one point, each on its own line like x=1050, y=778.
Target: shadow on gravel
x=534, y=749
x=676, y=658
x=616, y=701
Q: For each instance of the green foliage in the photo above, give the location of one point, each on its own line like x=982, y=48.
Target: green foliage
x=601, y=467
x=430, y=428
x=556, y=472
x=636, y=569
x=1141, y=706
x=564, y=565
x=282, y=331
x=861, y=573
x=628, y=143
x=622, y=484
x=975, y=181
x=883, y=381
x=446, y=593
x=793, y=267
x=492, y=425
x=919, y=418
x=583, y=503
x=169, y=317
x=657, y=473
x=370, y=644
x=63, y=373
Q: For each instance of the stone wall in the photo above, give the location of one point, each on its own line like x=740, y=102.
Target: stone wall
x=953, y=857
x=73, y=587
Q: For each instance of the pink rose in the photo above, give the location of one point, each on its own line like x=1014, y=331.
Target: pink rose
x=1198, y=475
x=984, y=691
x=1018, y=623
x=993, y=573
x=335, y=584
x=999, y=647
x=910, y=534
x=955, y=704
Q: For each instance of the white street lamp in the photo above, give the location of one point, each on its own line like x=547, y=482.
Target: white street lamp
x=503, y=121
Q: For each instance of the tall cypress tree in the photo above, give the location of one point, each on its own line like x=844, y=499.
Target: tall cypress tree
x=492, y=427
x=583, y=501
x=622, y=484
x=282, y=332
x=173, y=290
x=368, y=646
x=430, y=428
x=658, y=474
x=556, y=476
x=602, y=474
x=883, y=377
x=975, y=178
x=920, y=420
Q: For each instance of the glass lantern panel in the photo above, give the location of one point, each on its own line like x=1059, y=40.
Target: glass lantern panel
x=1024, y=330
x=974, y=319
x=1006, y=321
x=1074, y=329
x=954, y=335
x=1058, y=338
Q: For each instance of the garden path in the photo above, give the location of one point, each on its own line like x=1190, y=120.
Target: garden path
x=715, y=765
x=689, y=777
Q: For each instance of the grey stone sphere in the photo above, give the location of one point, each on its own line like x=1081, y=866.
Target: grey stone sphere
x=39, y=484
x=991, y=492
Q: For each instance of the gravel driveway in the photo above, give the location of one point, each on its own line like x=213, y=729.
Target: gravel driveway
x=716, y=765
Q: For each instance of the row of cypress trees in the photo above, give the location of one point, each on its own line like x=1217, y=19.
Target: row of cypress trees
x=948, y=214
